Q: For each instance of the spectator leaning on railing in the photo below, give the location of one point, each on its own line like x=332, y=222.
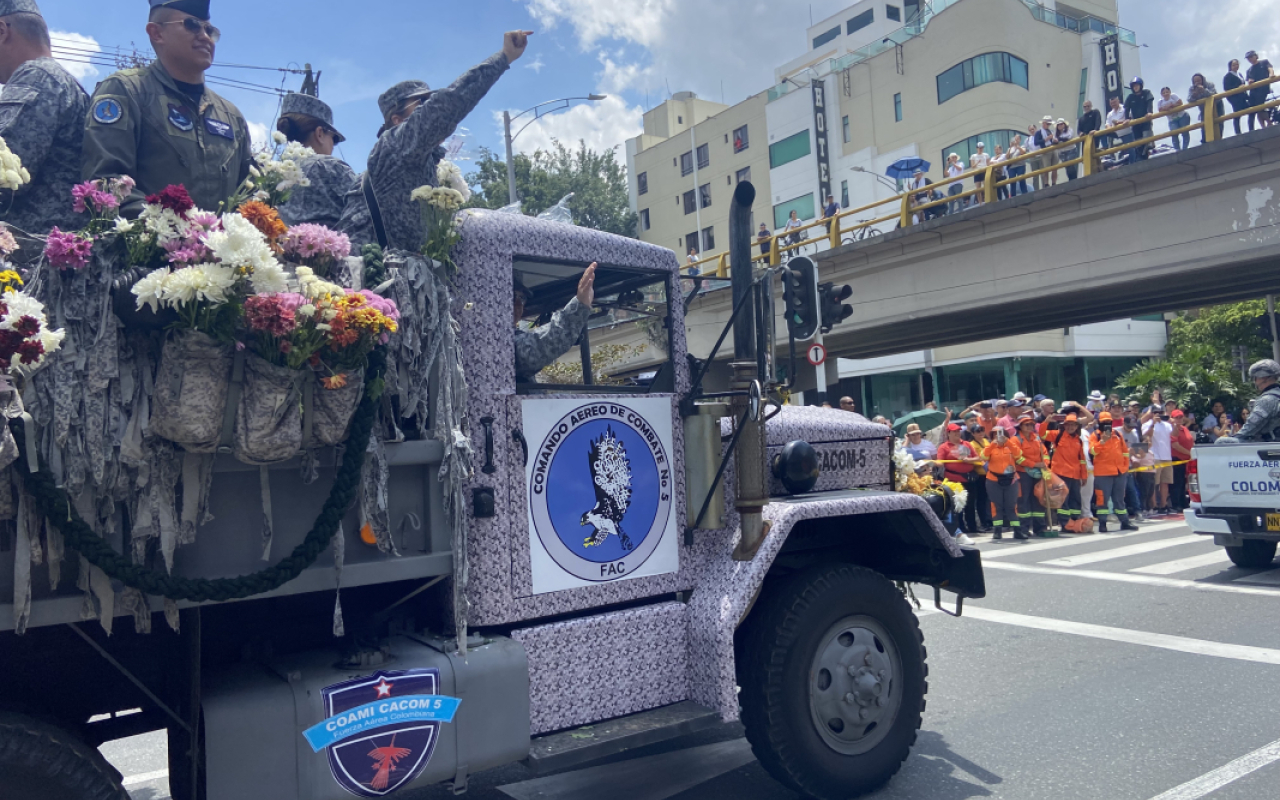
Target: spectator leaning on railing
x=1168, y=102
x=1202, y=89
x=1239, y=101
x=1259, y=70
x=1138, y=108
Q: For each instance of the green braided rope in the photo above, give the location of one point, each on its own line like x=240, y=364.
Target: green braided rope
x=53, y=503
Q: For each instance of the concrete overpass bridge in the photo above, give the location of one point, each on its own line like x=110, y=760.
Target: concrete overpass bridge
x=1177, y=231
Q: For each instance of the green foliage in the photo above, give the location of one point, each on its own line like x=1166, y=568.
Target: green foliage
x=598, y=182
x=1198, y=368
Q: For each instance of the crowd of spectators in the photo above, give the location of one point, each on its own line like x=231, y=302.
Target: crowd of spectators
x=1121, y=459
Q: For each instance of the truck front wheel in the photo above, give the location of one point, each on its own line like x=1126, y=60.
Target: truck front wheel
x=41, y=760
x=832, y=671
x=1253, y=554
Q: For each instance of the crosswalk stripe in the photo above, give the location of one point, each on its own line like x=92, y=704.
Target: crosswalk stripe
x=1218, y=556
x=1129, y=577
x=1182, y=644
x=1124, y=552
x=145, y=777
x=1010, y=549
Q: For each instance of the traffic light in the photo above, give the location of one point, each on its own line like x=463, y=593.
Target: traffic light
x=800, y=293
x=831, y=301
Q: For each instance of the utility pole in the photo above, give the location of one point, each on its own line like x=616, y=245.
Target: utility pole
x=310, y=83
x=1275, y=337
x=511, y=164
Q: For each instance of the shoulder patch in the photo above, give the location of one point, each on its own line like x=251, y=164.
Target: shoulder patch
x=179, y=118
x=107, y=111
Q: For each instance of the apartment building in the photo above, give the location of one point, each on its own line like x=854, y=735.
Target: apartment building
x=683, y=169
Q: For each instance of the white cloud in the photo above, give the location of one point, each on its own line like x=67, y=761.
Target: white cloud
x=1188, y=37
x=259, y=133
x=73, y=51
x=536, y=64
x=639, y=21
x=603, y=125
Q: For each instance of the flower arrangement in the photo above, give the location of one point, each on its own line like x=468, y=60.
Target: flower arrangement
x=275, y=173
x=316, y=247
x=438, y=207
x=26, y=339
x=101, y=199
x=68, y=249
x=351, y=324
x=13, y=176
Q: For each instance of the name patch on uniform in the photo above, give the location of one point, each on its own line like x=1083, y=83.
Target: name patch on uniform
x=107, y=111
x=219, y=128
x=178, y=118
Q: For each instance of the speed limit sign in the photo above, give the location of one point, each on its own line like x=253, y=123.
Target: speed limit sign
x=817, y=355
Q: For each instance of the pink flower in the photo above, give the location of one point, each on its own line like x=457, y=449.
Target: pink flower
x=204, y=219
x=68, y=249
x=269, y=313
x=384, y=305
x=91, y=193
x=309, y=241
x=78, y=194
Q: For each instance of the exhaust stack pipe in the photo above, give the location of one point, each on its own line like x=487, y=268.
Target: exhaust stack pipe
x=752, y=491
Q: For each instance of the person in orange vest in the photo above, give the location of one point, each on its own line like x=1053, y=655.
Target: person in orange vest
x=1110, y=471
x=1035, y=460
x=1068, y=463
x=1003, y=457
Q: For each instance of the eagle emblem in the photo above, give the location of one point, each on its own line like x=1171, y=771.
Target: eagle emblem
x=611, y=479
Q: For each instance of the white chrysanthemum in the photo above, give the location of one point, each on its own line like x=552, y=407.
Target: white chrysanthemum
x=269, y=278
x=239, y=244
x=278, y=137
x=307, y=310
x=446, y=199
x=12, y=174
x=150, y=288
x=422, y=194
x=19, y=306
x=123, y=225
x=448, y=174
x=218, y=281
x=51, y=339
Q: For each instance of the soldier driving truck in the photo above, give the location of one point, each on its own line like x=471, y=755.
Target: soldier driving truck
x=1234, y=483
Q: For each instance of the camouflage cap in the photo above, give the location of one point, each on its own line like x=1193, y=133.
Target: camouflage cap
x=308, y=106
x=392, y=99
x=196, y=8
x=8, y=7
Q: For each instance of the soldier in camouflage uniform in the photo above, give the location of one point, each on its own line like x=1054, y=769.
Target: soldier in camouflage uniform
x=1263, y=424
x=537, y=348
x=309, y=121
x=417, y=122
x=161, y=125
x=42, y=113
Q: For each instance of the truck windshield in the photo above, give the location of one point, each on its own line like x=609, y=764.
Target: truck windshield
x=625, y=345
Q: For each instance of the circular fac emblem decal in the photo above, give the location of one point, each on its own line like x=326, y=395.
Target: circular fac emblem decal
x=600, y=493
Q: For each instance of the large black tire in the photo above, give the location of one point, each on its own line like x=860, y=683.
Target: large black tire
x=1253, y=554
x=798, y=625
x=41, y=760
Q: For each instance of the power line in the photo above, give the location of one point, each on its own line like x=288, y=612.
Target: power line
x=109, y=50
x=216, y=80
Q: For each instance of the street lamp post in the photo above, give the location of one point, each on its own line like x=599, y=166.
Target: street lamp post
x=538, y=112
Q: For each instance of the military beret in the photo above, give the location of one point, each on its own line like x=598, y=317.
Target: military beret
x=308, y=106
x=196, y=8
x=392, y=99
x=8, y=7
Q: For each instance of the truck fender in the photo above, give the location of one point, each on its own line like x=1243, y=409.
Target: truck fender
x=726, y=588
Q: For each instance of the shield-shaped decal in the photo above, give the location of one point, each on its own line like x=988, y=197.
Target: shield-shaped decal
x=381, y=760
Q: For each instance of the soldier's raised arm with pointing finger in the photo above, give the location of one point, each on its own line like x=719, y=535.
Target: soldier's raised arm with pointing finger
x=416, y=122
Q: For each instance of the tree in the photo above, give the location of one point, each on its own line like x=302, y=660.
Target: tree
x=597, y=180
x=1198, y=368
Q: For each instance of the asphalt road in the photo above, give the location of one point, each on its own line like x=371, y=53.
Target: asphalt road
x=1134, y=667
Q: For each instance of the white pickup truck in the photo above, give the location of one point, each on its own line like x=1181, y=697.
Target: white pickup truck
x=1235, y=497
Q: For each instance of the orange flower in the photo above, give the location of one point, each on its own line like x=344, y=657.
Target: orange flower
x=335, y=381
x=265, y=218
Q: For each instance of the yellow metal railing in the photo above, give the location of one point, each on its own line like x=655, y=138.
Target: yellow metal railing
x=903, y=209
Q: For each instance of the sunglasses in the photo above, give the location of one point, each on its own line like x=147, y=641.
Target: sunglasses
x=196, y=27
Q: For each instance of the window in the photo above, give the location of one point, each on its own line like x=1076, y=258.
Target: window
x=803, y=206
x=844, y=124
x=744, y=174
x=679, y=120
x=844, y=195
x=822, y=39
x=704, y=195
x=986, y=68
x=631, y=295
x=861, y=21
x=644, y=219
x=690, y=202
x=691, y=242
x=741, y=141
x=897, y=107
x=967, y=147
x=704, y=156
x=894, y=13
x=789, y=149
x=642, y=183
x=708, y=239
x=686, y=163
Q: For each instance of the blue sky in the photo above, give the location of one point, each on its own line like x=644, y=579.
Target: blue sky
x=632, y=50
